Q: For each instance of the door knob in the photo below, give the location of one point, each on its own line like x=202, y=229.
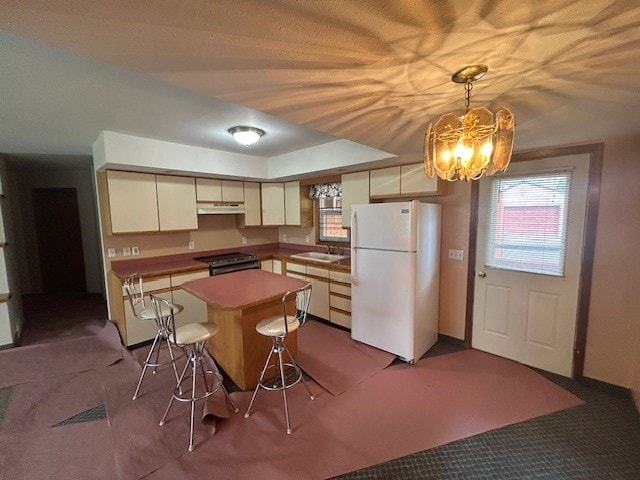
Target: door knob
x=482, y=274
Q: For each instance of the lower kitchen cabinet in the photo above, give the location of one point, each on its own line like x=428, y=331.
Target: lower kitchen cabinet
x=134, y=331
x=340, y=298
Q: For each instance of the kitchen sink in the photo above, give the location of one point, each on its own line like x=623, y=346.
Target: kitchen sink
x=319, y=256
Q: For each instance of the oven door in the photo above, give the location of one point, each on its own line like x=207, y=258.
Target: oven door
x=233, y=268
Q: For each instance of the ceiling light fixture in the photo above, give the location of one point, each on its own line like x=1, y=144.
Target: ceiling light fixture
x=474, y=144
x=246, y=135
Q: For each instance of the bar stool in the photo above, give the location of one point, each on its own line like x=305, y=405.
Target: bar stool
x=277, y=328
x=191, y=338
x=133, y=286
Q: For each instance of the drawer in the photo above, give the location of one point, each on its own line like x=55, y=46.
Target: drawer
x=296, y=267
x=179, y=278
x=338, y=276
x=340, y=302
x=340, y=318
x=296, y=275
x=339, y=288
x=317, y=272
x=153, y=285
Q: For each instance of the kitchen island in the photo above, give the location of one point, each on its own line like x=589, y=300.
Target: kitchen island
x=236, y=302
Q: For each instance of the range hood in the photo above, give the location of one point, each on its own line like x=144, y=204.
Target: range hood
x=220, y=208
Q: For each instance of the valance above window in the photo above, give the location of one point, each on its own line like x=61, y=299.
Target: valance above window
x=325, y=190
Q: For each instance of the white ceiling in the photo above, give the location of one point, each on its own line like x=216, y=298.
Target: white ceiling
x=311, y=72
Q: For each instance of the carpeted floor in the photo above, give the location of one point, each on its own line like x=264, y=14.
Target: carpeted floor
x=598, y=439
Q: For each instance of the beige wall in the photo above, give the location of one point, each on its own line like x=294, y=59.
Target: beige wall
x=613, y=336
x=214, y=232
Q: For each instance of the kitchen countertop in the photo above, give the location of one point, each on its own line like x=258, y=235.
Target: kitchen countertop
x=184, y=262
x=243, y=289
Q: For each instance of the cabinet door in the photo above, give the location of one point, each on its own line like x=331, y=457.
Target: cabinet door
x=208, y=190
x=133, y=204
x=232, y=191
x=292, y=203
x=272, y=195
x=195, y=310
x=413, y=180
x=355, y=190
x=177, y=208
x=384, y=182
x=252, y=210
x=319, y=305
x=266, y=265
x=277, y=266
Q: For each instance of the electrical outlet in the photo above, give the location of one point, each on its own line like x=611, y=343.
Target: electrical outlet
x=126, y=252
x=111, y=252
x=456, y=254
x=284, y=237
x=135, y=250
x=306, y=238
x=244, y=240
x=192, y=245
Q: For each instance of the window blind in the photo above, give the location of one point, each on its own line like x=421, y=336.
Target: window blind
x=528, y=218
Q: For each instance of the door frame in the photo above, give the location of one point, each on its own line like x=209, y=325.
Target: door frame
x=596, y=154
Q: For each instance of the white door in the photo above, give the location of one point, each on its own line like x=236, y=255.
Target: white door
x=529, y=249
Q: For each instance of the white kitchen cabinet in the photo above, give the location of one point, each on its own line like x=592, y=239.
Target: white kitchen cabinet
x=272, y=196
x=176, y=203
x=266, y=265
x=355, y=190
x=318, y=277
x=232, y=191
x=195, y=310
x=138, y=331
x=298, y=207
x=277, y=266
x=208, y=190
x=252, y=211
x=340, y=298
x=413, y=181
x=384, y=182
x=132, y=202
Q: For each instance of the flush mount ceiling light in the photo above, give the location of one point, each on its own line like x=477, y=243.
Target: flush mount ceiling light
x=474, y=144
x=246, y=135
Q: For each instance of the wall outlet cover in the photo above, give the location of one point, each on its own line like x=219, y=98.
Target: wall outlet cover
x=192, y=245
x=284, y=237
x=135, y=250
x=126, y=251
x=244, y=240
x=111, y=252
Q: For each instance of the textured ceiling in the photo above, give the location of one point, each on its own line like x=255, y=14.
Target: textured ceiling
x=374, y=72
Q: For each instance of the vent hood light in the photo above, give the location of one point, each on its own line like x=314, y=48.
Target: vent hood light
x=220, y=208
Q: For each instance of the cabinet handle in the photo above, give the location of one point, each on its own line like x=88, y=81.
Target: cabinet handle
x=354, y=250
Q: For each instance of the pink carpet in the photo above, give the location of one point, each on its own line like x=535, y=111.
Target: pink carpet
x=336, y=361
x=35, y=362
x=402, y=410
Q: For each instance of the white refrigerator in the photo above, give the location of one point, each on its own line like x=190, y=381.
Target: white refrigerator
x=395, y=270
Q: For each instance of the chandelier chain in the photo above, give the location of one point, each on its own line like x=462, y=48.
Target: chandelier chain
x=468, y=86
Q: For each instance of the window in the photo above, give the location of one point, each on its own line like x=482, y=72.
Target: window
x=528, y=220
x=330, y=220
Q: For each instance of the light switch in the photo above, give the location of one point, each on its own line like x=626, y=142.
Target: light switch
x=126, y=251
x=111, y=252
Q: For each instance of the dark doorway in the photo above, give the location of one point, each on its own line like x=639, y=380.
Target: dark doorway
x=59, y=237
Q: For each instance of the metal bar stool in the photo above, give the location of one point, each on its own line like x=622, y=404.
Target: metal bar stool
x=133, y=287
x=191, y=338
x=277, y=328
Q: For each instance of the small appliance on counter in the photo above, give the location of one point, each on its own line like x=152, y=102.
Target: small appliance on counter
x=395, y=269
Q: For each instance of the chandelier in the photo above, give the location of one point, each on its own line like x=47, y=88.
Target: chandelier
x=474, y=144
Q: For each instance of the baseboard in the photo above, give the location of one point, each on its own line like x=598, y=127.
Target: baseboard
x=451, y=340
x=609, y=388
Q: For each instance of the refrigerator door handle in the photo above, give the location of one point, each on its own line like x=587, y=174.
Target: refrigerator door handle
x=354, y=254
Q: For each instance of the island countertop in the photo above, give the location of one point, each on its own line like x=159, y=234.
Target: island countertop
x=243, y=289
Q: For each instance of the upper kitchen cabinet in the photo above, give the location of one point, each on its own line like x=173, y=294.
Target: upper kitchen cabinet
x=298, y=207
x=134, y=202
x=404, y=181
x=252, y=211
x=176, y=203
x=355, y=190
x=215, y=190
x=272, y=196
x=384, y=182
x=413, y=181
